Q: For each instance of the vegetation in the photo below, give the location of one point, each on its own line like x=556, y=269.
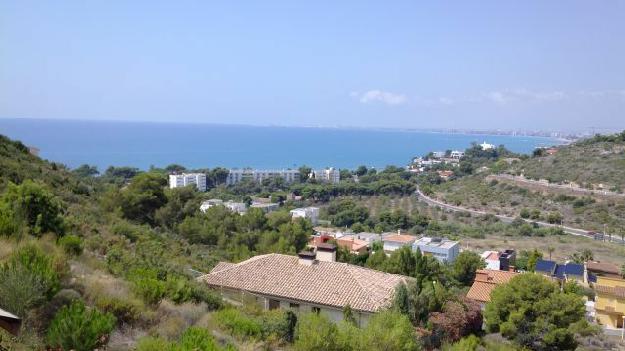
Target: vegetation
x=532, y=311
x=77, y=328
x=95, y=260
x=592, y=164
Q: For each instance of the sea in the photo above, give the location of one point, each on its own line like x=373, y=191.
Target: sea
x=146, y=144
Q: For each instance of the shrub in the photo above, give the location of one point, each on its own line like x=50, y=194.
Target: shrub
x=316, y=332
x=41, y=266
x=72, y=245
x=125, y=310
x=147, y=286
x=20, y=289
x=238, y=324
x=78, y=328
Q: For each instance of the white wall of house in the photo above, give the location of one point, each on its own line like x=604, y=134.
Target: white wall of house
x=334, y=314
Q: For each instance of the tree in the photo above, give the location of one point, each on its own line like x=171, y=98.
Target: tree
x=465, y=266
x=532, y=311
x=361, y=170
x=86, y=171
x=175, y=168
x=304, y=173
x=75, y=327
x=391, y=331
x=144, y=195
x=457, y=319
x=32, y=206
x=315, y=332
x=348, y=315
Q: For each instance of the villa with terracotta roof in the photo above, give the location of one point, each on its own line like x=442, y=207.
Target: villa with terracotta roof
x=486, y=280
x=309, y=282
x=393, y=242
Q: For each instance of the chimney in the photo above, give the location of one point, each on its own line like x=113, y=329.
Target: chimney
x=326, y=252
x=307, y=258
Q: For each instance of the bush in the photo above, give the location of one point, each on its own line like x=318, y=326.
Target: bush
x=146, y=285
x=71, y=244
x=125, y=310
x=32, y=259
x=20, y=289
x=193, y=339
x=239, y=324
x=78, y=328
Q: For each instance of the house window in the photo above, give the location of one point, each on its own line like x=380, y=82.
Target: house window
x=316, y=310
x=274, y=304
x=294, y=306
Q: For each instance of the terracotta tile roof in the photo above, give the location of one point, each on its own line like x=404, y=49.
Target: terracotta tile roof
x=401, y=238
x=326, y=283
x=352, y=244
x=603, y=267
x=486, y=280
x=617, y=291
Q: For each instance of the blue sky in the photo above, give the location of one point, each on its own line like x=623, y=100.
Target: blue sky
x=465, y=64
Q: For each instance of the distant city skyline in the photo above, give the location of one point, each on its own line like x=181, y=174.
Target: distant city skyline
x=491, y=65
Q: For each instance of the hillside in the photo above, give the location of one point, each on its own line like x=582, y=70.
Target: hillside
x=588, y=163
x=564, y=187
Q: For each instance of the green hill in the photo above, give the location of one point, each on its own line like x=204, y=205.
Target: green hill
x=556, y=185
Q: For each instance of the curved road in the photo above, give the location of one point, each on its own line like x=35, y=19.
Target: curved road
x=506, y=219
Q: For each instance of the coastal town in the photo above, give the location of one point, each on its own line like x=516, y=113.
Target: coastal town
x=314, y=281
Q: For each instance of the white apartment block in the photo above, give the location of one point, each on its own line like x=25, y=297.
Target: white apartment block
x=184, y=179
x=328, y=175
x=311, y=213
x=457, y=154
x=238, y=175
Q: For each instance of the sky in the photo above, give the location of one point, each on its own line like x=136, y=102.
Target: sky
x=553, y=65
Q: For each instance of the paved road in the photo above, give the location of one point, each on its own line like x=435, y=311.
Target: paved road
x=506, y=219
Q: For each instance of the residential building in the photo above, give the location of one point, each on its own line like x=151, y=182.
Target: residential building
x=311, y=213
x=567, y=271
x=442, y=249
x=329, y=231
x=181, y=180
x=610, y=301
x=370, y=238
x=445, y=175
x=238, y=207
x=309, y=282
x=603, y=269
x=438, y=154
x=270, y=207
x=491, y=258
x=392, y=241
x=485, y=146
x=328, y=175
x=486, y=280
x=354, y=245
x=457, y=154
x=496, y=260
x=210, y=203
x=238, y=175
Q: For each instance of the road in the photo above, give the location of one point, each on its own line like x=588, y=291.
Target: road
x=506, y=219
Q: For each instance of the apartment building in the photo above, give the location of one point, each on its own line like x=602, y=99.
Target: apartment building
x=238, y=175
x=328, y=175
x=185, y=179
